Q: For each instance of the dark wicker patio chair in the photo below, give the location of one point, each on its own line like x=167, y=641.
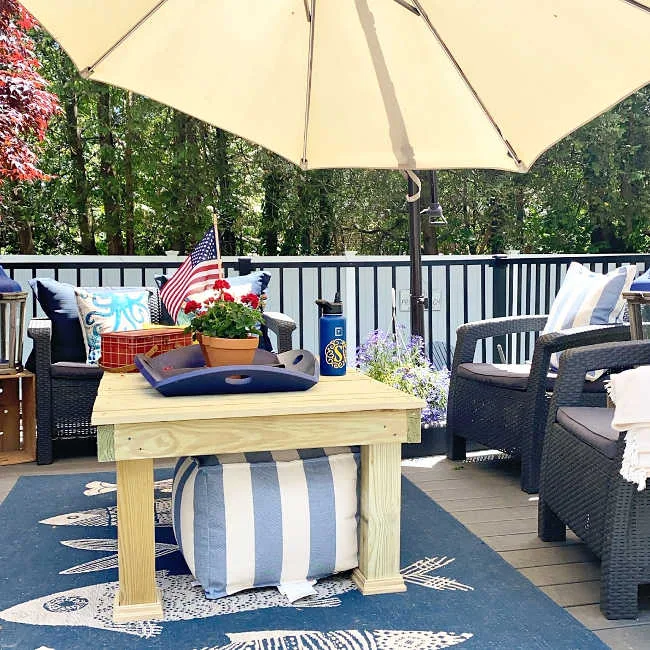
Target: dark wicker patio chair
x=505, y=406
x=66, y=391
x=581, y=486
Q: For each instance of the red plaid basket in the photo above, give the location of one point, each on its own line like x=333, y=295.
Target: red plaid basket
x=119, y=348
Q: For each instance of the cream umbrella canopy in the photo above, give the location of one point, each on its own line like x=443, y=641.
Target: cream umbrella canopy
x=412, y=84
x=407, y=84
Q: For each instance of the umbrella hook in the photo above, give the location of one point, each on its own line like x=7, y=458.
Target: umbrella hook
x=409, y=173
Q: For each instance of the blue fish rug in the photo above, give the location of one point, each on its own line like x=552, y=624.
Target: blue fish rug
x=58, y=577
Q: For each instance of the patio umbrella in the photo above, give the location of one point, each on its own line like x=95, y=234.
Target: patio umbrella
x=406, y=84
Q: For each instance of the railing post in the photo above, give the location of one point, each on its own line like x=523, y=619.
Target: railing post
x=349, y=309
x=499, y=298
x=244, y=265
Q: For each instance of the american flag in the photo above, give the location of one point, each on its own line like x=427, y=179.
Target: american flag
x=197, y=273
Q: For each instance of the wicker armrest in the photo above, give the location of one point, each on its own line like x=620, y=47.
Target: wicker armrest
x=552, y=342
x=283, y=326
x=468, y=335
x=40, y=330
x=575, y=363
x=580, y=336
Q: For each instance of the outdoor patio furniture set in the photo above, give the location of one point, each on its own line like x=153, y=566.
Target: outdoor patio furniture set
x=568, y=450
x=66, y=386
x=560, y=426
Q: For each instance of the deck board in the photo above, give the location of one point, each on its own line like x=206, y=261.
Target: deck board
x=627, y=638
x=591, y=617
x=576, y=593
x=526, y=558
x=496, y=514
x=557, y=574
x=524, y=541
x=487, y=497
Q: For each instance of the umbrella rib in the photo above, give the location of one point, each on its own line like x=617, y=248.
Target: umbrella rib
x=310, y=60
x=638, y=5
x=443, y=45
x=86, y=72
x=409, y=6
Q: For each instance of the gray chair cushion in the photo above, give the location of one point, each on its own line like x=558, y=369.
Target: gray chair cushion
x=513, y=376
x=73, y=370
x=592, y=425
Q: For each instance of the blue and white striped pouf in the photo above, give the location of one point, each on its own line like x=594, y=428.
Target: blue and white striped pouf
x=266, y=518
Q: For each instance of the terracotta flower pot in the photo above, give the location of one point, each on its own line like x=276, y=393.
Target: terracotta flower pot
x=228, y=352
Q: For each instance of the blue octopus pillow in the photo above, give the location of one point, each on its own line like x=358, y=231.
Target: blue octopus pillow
x=102, y=311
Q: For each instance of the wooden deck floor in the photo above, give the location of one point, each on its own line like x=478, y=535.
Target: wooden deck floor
x=485, y=497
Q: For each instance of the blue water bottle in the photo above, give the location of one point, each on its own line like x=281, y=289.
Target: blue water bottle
x=331, y=337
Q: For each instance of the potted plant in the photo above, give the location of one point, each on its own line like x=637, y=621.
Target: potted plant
x=400, y=362
x=227, y=330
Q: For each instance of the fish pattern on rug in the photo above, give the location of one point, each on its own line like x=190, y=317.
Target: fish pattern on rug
x=108, y=516
x=337, y=617
x=183, y=599
x=343, y=640
x=107, y=562
x=94, y=488
x=91, y=606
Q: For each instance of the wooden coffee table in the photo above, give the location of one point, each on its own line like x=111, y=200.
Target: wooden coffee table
x=137, y=424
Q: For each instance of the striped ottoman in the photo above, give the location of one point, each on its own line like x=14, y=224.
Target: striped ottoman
x=266, y=518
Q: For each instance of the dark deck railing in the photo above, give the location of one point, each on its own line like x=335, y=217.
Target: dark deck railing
x=458, y=288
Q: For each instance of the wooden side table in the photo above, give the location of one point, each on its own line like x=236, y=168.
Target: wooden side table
x=17, y=413
x=137, y=424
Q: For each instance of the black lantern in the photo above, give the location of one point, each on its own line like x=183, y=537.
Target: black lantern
x=434, y=211
x=12, y=324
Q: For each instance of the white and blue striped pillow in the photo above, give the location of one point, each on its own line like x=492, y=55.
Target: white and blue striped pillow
x=266, y=518
x=588, y=298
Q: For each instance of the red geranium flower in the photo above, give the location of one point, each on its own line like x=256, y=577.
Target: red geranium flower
x=191, y=305
x=222, y=284
x=227, y=297
x=251, y=299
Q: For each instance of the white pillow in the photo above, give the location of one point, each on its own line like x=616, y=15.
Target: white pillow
x=588, y=298
x=102, y=311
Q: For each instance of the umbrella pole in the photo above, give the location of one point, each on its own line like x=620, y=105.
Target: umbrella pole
x=415, y=227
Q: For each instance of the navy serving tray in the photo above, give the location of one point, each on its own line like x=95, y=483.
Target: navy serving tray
x=183, y=372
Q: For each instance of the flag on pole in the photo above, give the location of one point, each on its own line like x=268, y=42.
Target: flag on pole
x=197, y=273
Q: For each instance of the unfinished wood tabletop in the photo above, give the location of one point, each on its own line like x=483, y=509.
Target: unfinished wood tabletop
x=129, y=398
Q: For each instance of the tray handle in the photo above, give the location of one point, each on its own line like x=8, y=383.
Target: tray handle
x=239, y=380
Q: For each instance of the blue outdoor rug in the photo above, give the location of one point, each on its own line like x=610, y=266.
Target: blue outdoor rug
x=58, y=578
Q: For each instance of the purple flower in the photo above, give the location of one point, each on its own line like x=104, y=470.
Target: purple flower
x=402, y=363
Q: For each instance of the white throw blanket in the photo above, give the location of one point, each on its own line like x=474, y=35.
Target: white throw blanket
x=630, y=392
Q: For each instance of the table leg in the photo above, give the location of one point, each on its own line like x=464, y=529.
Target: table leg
x=379, y=538
x=138, y=598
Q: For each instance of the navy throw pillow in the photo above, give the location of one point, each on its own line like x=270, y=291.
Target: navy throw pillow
x=57, y=300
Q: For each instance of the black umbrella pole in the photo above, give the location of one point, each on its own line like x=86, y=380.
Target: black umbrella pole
x=417, y=301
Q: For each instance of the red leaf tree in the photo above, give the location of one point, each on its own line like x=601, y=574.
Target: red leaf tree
x=26, y=106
